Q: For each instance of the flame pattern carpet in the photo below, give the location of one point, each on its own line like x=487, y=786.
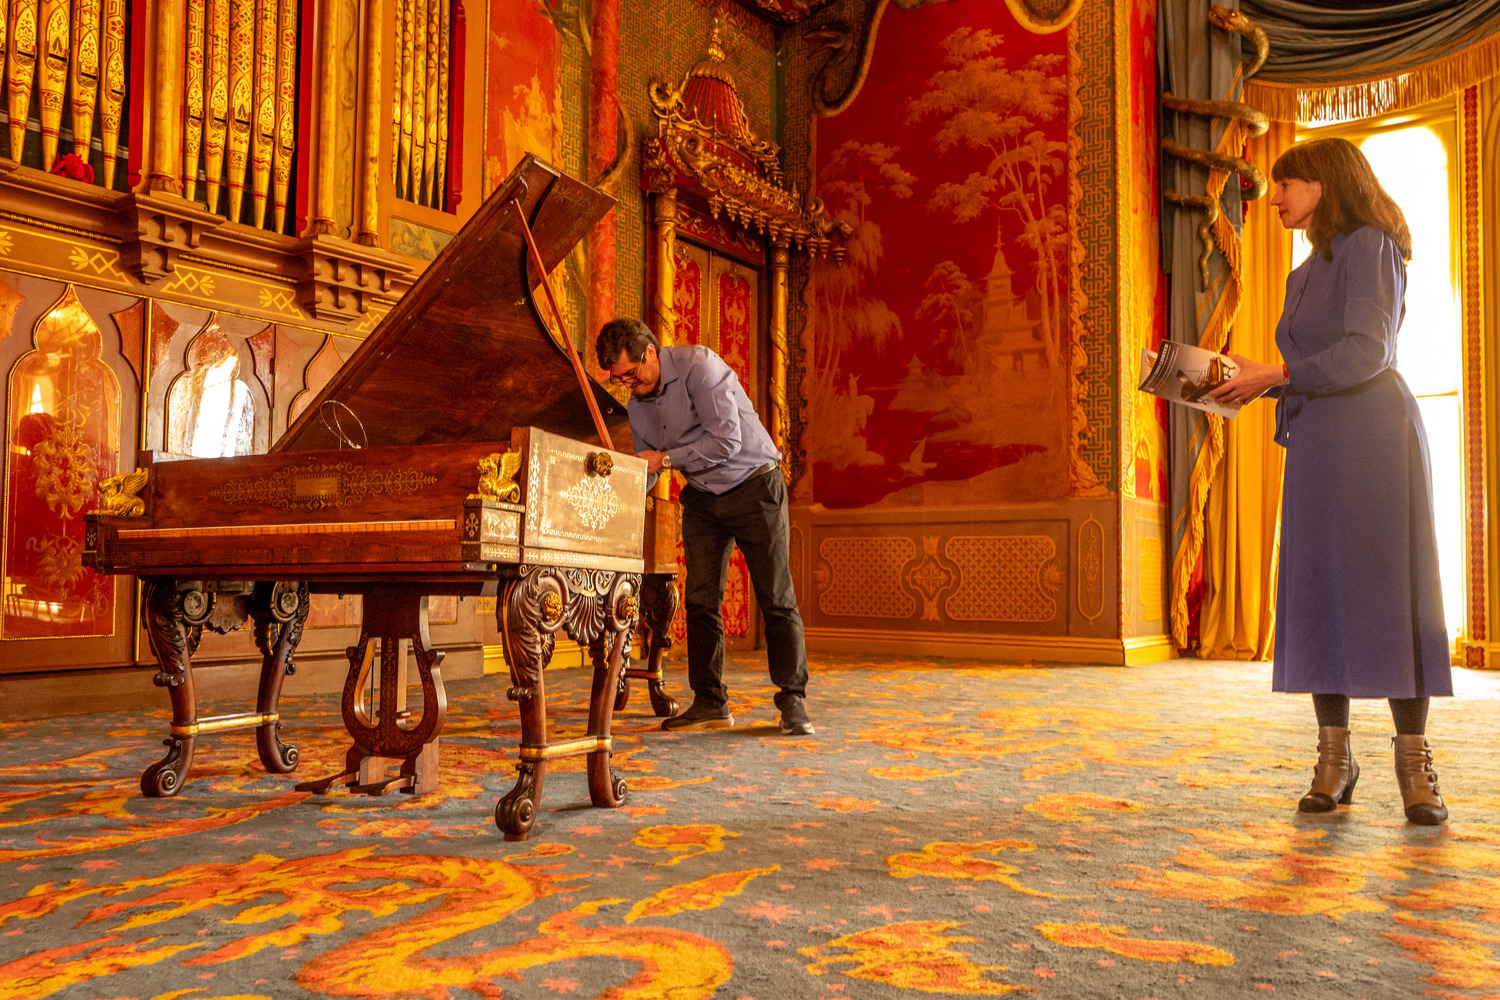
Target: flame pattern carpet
x=953, y=829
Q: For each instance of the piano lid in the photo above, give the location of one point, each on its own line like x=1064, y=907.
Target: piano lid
x=463, y=356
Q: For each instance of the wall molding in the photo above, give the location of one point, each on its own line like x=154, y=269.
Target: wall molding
x=1058, y=649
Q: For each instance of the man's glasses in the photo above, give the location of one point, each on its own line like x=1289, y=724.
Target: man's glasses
x=629, y=376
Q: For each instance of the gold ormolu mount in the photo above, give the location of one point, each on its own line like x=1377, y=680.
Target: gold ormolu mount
x=119, y=496
x=497, y=477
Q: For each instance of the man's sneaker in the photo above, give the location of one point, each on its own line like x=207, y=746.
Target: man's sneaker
x=699, y=716
x=794, y=720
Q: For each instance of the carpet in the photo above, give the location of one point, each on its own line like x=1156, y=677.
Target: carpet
x=953, y=829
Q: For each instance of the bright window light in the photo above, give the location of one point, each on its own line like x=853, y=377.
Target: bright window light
x=1412, y=164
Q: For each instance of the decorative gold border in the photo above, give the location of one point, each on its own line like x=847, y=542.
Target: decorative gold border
x=1092, y=176
x=95, y=262
x=1473, y=400
x=305, y=528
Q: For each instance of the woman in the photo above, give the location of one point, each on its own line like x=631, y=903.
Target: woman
x=1360, y=611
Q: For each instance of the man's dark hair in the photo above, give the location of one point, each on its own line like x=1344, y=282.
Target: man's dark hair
x=628, y=335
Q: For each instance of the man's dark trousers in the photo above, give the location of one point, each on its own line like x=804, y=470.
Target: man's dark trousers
x=753, y=516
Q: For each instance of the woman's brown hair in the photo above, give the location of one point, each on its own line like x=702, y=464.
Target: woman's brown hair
x=1351, y=198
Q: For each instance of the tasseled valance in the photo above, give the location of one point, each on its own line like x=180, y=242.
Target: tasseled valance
x=1342, y=59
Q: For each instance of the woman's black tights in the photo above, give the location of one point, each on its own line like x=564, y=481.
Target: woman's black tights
x=1409, y=714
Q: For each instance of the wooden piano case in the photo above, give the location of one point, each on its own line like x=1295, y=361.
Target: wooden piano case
x=453, y=454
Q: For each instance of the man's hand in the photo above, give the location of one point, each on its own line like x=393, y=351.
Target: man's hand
x=653, y=461
x=1252, y=381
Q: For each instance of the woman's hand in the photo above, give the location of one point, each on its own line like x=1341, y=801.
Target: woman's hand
x=1252, y=381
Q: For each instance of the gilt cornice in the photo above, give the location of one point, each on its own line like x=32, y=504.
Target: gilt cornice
x=141, y=242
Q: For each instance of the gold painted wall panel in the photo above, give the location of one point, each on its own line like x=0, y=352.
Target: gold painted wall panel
x=1150, y=566
x=858, y=577
x=1029, y=570
x=1003, y=578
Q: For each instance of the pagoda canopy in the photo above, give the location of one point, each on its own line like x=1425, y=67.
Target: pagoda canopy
x=703, y=144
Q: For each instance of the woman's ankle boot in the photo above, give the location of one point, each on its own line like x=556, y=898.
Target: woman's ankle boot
x=1335, y=775
x=1419, y=784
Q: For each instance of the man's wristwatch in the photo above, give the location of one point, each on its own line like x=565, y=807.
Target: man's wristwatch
x=666, y=460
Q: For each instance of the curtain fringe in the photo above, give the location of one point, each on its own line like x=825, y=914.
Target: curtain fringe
x=1352, y=99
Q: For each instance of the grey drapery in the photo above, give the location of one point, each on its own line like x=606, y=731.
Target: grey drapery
x=1196, y=61
x=1336, y=59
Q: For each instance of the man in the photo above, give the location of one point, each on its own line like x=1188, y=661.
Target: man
x=688, y=412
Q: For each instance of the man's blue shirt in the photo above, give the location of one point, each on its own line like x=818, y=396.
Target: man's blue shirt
x=701, y=417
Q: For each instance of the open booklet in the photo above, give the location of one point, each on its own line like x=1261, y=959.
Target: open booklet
x=1182, y=373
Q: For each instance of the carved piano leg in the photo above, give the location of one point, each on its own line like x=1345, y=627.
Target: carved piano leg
x=280, y=611
x=388, y=732
x=606, y=788
x=168, y=633
x=593, y=606
x=621, y=607
x=529, y=613
x=658, y=605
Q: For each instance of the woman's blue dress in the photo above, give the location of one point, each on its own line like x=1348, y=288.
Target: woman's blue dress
x=1359, y=603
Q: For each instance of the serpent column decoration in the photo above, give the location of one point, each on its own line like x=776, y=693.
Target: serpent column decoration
x=1246, y=122
x=1215, y=232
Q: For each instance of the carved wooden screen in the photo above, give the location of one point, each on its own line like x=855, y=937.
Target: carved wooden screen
x=717, y=301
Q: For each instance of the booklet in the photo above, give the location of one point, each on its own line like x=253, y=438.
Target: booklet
x=1182, y=373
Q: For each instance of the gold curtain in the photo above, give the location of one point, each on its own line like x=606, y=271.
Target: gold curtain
x=1237, y=620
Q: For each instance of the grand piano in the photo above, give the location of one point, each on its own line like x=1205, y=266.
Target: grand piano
x=460, y=450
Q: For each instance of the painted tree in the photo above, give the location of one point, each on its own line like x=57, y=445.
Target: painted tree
x=854, y=176
x=952, y=300
x=984, y=105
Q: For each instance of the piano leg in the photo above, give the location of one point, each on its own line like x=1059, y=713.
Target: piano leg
x=658, y=605
x=593, y=606
x=529, y=613
x=606, y=788
x=388, y=733
x=280, y=610
x=167, y=631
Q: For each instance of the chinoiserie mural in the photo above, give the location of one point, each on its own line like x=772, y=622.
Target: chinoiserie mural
x=522, y=112
x=1143, y=299
x=941, y=348
x=932, y=283
x=970, y=439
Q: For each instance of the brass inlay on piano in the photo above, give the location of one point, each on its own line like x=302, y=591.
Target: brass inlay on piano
x=320, y=486
x=594, y=501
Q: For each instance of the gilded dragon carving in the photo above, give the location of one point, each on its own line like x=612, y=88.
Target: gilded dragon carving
x=497, y=477
x=120, y=496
